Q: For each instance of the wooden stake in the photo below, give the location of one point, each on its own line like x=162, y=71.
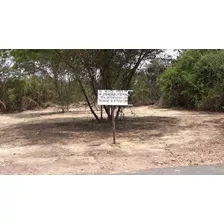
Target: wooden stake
x=113, y=124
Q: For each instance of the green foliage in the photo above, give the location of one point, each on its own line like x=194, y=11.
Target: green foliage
x=196, y=80
x=22, y=93
x=65, y=76
x=105, y=69
x=141, y=91
x=145, y=83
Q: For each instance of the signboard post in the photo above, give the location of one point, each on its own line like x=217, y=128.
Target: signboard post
x=113, y=98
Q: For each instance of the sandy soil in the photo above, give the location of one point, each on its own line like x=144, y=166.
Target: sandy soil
x=48, y=142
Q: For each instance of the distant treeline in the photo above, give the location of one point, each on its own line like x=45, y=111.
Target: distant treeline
x=37, y=78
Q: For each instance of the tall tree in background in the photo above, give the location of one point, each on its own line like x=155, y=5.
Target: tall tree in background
x=145, y=84
x=152, y=73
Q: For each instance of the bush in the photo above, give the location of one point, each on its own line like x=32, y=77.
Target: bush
x=196, y=81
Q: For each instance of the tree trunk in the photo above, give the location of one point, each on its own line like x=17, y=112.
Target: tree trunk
x=62, y=109
x=109, y=115
x=101, y=113
x=4, y=106
x=82, y=88
x=108, y=112
x=118, y=112
x=89, y=104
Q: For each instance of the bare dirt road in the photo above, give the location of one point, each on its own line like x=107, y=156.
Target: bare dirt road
x=48, y=142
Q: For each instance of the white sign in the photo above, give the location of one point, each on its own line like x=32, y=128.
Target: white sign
x=113, y=97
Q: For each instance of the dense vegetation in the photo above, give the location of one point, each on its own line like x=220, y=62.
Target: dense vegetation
x=195, y=81
x=146, y=82
x=23, y=86
x=37, y=78
x=66, y=76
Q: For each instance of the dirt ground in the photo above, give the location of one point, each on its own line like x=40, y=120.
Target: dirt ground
x=48, y=142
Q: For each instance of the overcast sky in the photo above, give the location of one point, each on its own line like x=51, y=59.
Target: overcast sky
x=171, y=52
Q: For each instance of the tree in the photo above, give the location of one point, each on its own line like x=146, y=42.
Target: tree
x=104, y=69
x=195, y=80
x=48, y=64
x=152, y=73
x=91, y=69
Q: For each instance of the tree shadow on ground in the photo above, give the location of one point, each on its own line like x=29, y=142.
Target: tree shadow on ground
x=62, y=130
x=38, y=114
